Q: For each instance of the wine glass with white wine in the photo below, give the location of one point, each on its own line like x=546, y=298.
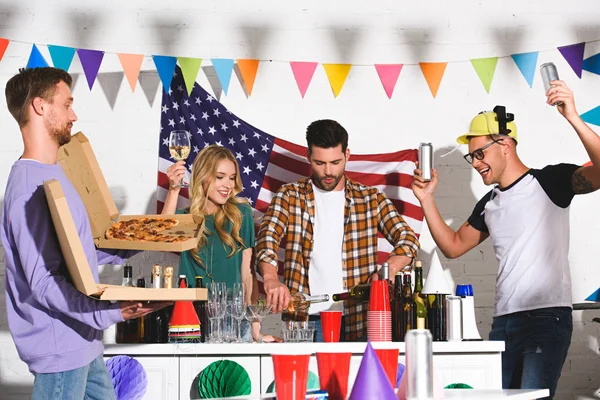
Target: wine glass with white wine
x=179, y=147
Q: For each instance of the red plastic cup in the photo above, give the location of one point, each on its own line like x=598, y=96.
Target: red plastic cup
x=331, y=324
x=379, y=298
x=291, y=375
x=333, y=374
x=389, y=361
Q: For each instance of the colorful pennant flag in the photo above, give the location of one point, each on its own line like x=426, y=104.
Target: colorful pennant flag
x=223, y=68
x=90, y=61
x=485, y=68
x=526, y=62
x=303, y=73
x=590, y=64
x=3, y=45
x=337, y=75
x=574, y=56
x=165, y=65
x=592, y=116
x=36, y=59
x=433, y=73
x=248, y=69
x=388, y=74
x=189, y=69
x=131, y=63
x=61, y=56
x=594, y=296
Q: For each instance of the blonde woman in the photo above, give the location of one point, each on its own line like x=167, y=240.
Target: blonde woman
x=224, y=251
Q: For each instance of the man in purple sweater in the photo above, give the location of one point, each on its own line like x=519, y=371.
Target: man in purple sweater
x=57, y=329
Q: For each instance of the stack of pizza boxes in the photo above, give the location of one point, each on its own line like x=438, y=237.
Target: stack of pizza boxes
x=110, y=229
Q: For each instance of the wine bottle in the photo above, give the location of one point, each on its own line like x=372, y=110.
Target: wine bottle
x=141, y=283
x=297, y=309
x=200, y=307
x=408, y=314
x=419, y=297
x=127, y=331
x=362, y=292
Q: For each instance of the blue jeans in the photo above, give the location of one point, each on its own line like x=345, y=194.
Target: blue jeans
x=91, y=382
x=537, y=342
x=319, y=332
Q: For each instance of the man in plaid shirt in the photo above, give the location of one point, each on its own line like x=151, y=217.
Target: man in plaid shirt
x=330, y=224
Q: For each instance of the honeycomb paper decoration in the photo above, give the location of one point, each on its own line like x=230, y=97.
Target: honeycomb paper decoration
x=128, y=377
x=224, y=378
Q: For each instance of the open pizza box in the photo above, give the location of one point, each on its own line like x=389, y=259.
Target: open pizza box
x=78, y=266
x=78, y=161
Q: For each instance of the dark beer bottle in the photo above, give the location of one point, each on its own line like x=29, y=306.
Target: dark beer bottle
x=200, y=307
x=408, y=314
x=127, y=331
x=156, y=323
x=397, y=308
x=436, y=316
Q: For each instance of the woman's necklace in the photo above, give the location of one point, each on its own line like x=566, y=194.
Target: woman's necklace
x=209, y=273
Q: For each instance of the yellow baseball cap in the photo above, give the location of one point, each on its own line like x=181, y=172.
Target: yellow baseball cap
x=486, y=123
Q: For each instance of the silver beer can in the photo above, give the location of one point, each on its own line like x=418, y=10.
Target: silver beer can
x=426, y=160
x=549, y=74
x=454, y=319
x=419, y=365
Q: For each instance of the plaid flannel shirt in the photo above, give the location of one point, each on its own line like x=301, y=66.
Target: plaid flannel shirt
x=291, y=215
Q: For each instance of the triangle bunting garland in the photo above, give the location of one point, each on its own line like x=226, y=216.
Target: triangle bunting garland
x=388, y=75
x=526, y=62
x=337, y=75
x=223, y=68
x=131, y=63
x=574, y=56
x=61, y=56
x=248, y=70
x=303, y=73
x=189, y=69
x=165, y=65
x=90, y=61
x=36, y=59
x=485, y=68
x=433, y=73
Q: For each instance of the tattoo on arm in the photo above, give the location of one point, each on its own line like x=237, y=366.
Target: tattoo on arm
x=580, y=184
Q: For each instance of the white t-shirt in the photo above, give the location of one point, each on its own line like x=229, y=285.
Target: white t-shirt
x=325, y=272
x=528, y=223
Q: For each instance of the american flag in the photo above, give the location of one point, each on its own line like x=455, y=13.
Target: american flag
x=267, y=162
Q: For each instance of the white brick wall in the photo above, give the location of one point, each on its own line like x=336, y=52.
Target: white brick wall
x=123, y=126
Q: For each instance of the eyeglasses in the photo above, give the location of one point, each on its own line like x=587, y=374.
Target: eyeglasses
x=478, y=154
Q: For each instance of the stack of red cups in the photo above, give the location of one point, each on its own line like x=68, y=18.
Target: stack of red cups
x=379, y=315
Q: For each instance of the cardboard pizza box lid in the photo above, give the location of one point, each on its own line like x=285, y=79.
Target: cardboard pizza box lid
x=79, y=268
x=80, y=164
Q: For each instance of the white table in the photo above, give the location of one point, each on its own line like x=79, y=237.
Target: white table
x=172, y=368
x=467, y=394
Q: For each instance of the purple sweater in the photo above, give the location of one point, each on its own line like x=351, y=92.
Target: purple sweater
x=55, y=327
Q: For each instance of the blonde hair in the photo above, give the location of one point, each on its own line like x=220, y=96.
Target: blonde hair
x=204, y=172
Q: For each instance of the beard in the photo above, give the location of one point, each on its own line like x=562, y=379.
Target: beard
x=319, y=182
x=60, y=134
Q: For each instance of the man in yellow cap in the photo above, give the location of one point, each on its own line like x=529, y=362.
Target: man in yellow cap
x=526, y=214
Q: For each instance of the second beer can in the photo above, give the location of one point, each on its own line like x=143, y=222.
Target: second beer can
x=454, y=319
x=419, y=364
x=426, y=160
